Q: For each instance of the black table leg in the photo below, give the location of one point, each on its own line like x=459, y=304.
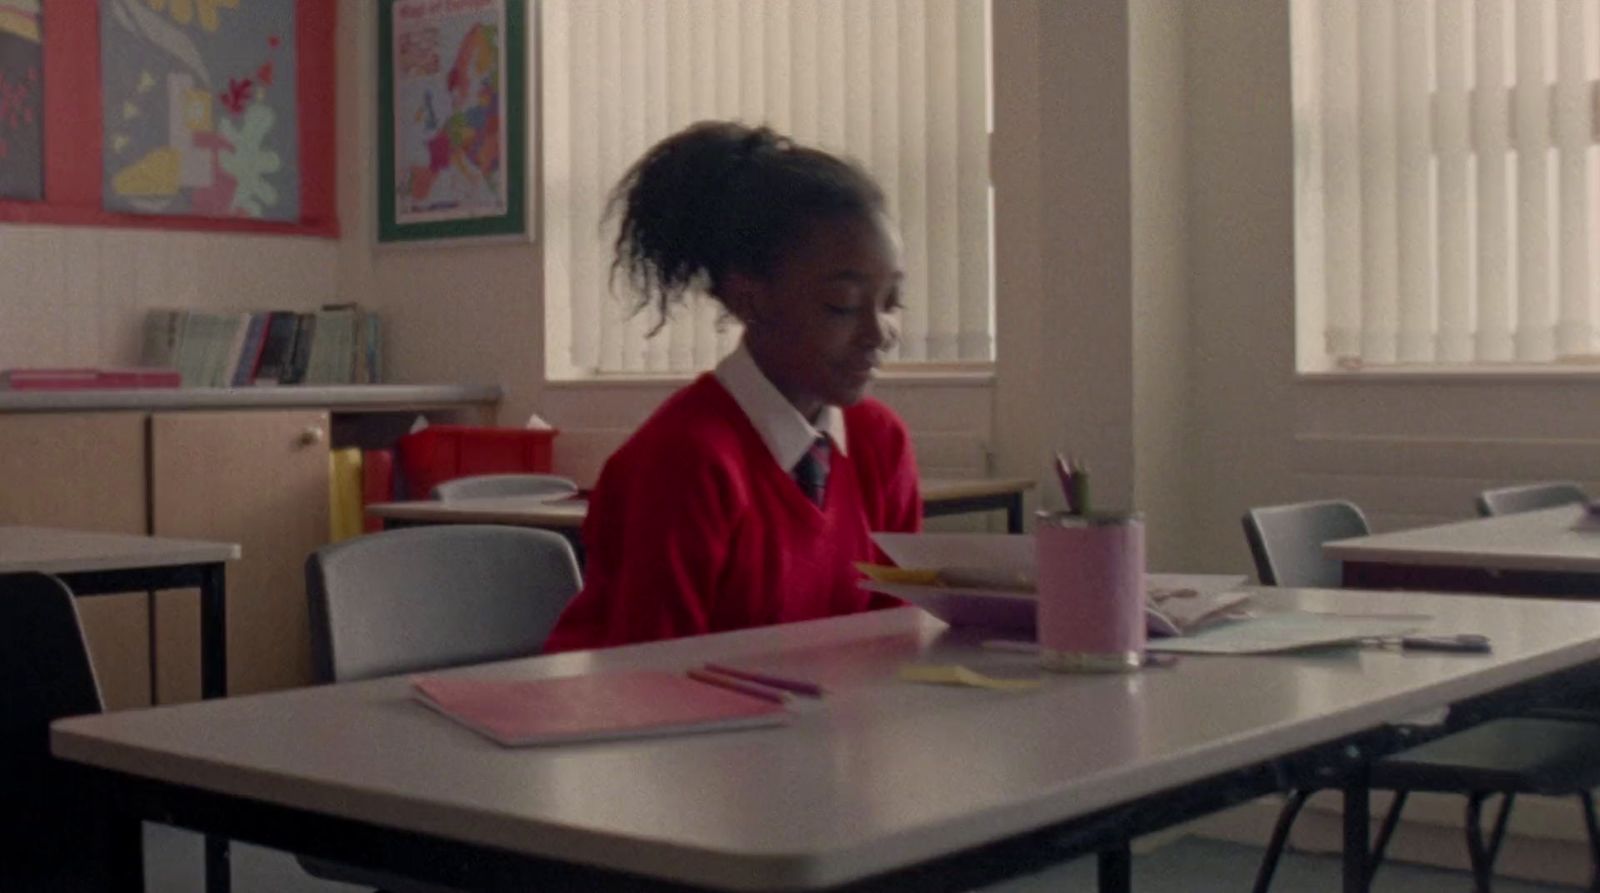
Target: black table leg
x=1357, y=819
x=213, y=632
x=214, y=684
x=1014, y=513
x=1116, y=869
x=114, y=837
x=219, y=875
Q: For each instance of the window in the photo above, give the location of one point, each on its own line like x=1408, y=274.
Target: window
x=1447, y=181
x=901, y=86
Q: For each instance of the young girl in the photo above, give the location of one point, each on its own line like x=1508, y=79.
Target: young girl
x=746, y=499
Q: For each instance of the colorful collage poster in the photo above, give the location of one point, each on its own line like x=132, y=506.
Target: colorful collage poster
x=449, y=109
x=200, y=108
x=21, y=101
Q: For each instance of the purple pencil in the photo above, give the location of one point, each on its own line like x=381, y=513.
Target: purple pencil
x=799, y=686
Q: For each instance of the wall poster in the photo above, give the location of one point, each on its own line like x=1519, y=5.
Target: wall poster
x=200, y=110
x=21, y=100
x=452, y=118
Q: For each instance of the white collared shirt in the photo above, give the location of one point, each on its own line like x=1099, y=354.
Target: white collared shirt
x=784, y=430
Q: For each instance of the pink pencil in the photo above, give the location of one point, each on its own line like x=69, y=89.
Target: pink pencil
x=743, y=688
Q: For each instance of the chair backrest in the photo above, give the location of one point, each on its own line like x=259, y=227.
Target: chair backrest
x=1286, y=541
x=505, y=485
x=423, y=598
x=47, y=674
x=1528, y=497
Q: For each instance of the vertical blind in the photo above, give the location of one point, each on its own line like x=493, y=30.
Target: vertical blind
x=1447, y=178
x=901, y=86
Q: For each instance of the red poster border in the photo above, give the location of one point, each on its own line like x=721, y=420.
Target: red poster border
x=72, y=130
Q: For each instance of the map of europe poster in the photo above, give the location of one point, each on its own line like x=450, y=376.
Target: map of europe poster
x=449, y=69
x=21, y=100
x=200, y=108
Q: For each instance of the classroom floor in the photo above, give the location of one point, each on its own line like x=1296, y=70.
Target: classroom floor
x=1186, y=865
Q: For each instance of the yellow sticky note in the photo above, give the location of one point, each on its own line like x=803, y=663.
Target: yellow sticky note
x=955, y=674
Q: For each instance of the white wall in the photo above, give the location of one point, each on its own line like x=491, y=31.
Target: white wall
x=77, y=296
x=1063, y=241
x=1241, y=268
x=1092, y=306
x=1409, y=450
x=1162, y=431
x=475, y=312
x=467, y=312
x=1094, y=354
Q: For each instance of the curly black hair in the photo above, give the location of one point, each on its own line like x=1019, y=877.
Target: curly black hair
x=719, y=196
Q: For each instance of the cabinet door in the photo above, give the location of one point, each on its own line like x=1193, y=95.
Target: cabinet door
x=86, y=471
x=258, y=478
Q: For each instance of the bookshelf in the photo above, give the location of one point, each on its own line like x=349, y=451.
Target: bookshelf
x=336, y=398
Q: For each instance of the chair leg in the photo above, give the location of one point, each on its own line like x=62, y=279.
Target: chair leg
x=1390, y=821
x=1475, y=852
x=1481, y=853
x=1500, y=827
x=1594, y=839
x=1280, y=838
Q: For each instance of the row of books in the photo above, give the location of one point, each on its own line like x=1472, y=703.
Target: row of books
x=338, y=344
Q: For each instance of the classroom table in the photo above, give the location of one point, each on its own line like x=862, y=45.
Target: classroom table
x=107, y=563
x=93, y=564
x=565, y=514
x=1542, y=552
x=881, y=785
x=952, y=496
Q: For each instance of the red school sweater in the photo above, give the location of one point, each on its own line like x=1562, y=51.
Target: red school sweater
x=694, y=528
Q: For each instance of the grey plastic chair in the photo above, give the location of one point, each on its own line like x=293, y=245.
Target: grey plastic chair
x=505, y=485
x=49, y=842
x=1528, y=498
x=425, y=598
x=1517, y=755
x=1286, y=541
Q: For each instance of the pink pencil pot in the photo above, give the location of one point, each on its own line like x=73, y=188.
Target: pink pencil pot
x=1091, y=592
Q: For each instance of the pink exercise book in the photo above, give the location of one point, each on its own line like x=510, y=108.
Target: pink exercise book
x=595, y=707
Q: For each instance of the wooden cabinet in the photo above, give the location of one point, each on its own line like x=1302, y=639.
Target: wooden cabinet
x=86, y=471
x=257, y=478
x=260, y=479
x=248, y=466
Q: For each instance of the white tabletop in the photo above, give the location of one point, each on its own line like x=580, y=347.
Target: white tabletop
x=565, y=511
x=880, y=775
x=1545, y=540
x=53, y=551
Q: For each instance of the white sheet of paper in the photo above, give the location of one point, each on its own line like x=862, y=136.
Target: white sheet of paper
x=1180, y=602
x=1289, y=631
x=933, y=551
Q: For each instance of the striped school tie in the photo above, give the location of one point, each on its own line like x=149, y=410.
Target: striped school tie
x=811, y=472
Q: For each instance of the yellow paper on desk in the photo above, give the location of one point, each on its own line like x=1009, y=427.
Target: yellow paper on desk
x=948, y=577
x=955, y=674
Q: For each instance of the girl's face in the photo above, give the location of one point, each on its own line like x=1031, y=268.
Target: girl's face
x=820, y=324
